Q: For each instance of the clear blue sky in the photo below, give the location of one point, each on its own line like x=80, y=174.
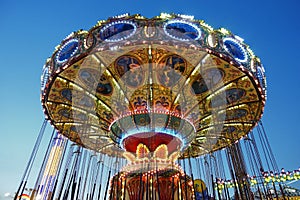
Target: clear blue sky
x=30, y=30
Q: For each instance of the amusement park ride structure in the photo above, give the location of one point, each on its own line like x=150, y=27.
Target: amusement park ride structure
x=161, y=108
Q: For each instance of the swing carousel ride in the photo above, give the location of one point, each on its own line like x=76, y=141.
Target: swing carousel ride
x=161, y=108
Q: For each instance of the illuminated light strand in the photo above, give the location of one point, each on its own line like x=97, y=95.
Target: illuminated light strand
x=139, y=17
x=124, y=175
x=189, y=17
x=105, y=147
x=62, y=48
x=244, y=105
x=121, y=16
x=182, y=22
x=171, y=132
x=239, y=46
x=119, y=22
x=209, y=127
x=45, y=76
x=146, y=28
x=196, y=69
x=165, y=15
x=221, y=90
x=93, y=115
x=136, y=112
x=268, y=177
x=202, y=23
x=142, y=151
x=250, y=51
x=224, y=31
x=68, y=123
x=161, y=152
x=238, y=38
x=212, y=40
x=152, y=166
x=160, y=159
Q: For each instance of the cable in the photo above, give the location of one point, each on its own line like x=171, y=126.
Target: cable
x=31, y=161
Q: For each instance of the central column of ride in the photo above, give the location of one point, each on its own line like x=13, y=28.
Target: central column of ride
x=154, y=132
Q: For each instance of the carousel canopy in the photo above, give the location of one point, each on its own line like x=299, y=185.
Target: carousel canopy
x=169, y=80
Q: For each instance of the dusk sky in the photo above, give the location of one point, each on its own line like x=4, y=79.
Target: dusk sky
x=30, y=30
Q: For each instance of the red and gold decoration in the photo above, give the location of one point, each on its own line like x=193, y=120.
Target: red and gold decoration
x=152, y=108
x=155, y=176
x=152, y=91
x=167, y=80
